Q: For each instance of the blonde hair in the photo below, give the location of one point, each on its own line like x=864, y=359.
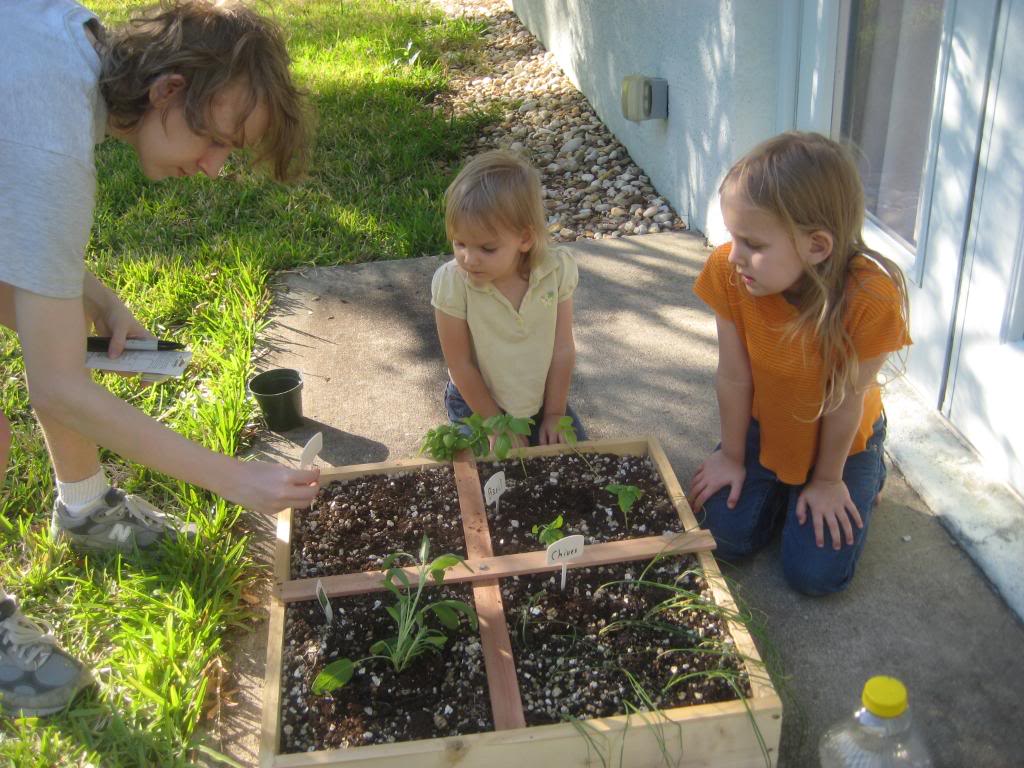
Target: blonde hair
x=212, y=45
x=811, y=183
x=499, y=190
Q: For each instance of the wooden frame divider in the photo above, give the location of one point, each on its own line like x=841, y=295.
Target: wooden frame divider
x=502, y=681
x=502, y=566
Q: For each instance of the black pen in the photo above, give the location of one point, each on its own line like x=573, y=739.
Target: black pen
x=102, y=344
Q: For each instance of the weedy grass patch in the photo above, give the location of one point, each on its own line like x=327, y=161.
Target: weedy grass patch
x=193, y=258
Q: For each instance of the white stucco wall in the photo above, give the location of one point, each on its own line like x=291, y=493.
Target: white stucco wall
x=730, y=82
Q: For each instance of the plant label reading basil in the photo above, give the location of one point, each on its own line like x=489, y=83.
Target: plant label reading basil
x=309, y=453
x=564, y=551
x=321, y=596
x=494, y=488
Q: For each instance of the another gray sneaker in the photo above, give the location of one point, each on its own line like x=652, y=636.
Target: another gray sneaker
x=36, y=677
x=118, y=522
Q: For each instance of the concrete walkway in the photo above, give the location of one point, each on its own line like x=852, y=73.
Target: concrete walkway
x=919, y=608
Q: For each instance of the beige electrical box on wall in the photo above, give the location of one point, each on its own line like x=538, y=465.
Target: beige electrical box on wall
x=644, y=98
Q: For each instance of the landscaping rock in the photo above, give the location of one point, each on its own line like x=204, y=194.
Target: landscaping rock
x=588, y=177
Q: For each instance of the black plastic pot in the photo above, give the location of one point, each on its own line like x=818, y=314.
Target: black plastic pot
x=279, y=395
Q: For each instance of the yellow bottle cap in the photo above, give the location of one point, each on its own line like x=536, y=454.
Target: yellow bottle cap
x=885, y=696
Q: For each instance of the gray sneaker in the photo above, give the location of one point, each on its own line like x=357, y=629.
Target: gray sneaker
x=36, y=677
x=118, y=522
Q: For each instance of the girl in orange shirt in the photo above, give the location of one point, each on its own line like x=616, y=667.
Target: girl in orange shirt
x=806, y=316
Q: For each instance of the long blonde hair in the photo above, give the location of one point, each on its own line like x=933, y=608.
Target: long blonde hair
x=810, y=183
x=499, y=190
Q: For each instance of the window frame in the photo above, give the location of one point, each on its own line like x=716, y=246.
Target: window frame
x=821, y=86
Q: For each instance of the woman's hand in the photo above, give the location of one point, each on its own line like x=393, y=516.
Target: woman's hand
x=549, y=434
x=717, y=471
x=830, y=504
x=110, y=316
x=267, y=488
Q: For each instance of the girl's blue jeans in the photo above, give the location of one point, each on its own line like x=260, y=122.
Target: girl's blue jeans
x=459, y=409
x=766, y=504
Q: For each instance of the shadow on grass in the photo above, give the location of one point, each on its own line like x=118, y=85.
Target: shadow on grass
x=381, y=167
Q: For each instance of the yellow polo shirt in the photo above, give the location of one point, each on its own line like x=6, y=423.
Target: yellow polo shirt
x=511, y=348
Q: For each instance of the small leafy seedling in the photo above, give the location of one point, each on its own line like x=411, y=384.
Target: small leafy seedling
x=627, y=496
x=504, y=427
x=410, y=613
x=443, y=442
x=549, y=533
x=568, y=431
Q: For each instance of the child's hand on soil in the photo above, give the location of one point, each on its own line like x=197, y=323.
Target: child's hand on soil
x=717, y=471
x=549, y=433
x=830, y=504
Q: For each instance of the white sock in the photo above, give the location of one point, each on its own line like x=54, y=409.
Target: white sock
x=80, y=496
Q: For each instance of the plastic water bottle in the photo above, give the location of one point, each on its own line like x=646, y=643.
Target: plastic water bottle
x=880, y=735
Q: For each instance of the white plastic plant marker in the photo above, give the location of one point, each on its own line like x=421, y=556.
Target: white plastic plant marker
x=312, y=449
x=565, y=550
x=321, y=596
x=493, y=489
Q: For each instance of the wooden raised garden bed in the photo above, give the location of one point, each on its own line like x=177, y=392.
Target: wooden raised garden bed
x=699, y=723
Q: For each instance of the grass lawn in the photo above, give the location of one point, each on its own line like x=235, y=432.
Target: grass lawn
x=192, y=258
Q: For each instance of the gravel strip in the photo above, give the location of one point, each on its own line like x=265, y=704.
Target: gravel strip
x=592, y=187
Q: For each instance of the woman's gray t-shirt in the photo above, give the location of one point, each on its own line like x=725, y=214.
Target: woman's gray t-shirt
x=51, y=118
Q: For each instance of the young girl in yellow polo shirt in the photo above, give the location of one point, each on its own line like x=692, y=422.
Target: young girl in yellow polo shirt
x=806, y=315
x=503, y=305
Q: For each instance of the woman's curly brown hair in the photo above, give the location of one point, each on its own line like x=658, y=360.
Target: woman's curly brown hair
x=212, y=45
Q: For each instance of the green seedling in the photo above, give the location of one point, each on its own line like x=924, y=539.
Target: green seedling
x=627, y=496
x=527, y=620
x=549, y=533
x=443, y=442
x=410, y=612
x=504, y=427
x=725, y=663
x=568, y=431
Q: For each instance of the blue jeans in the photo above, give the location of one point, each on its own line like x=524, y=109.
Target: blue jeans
x=459, y=409
x=766, y=503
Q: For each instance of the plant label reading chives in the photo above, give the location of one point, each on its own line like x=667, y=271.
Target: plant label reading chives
x=565, y=550
x=494, y=488
x=321, y=596
x=312, y=449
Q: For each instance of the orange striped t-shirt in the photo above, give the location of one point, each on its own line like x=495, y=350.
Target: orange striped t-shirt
x=787, y=372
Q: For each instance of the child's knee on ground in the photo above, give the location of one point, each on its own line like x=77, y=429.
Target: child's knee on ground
x=817, y=571
x=815, y=582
